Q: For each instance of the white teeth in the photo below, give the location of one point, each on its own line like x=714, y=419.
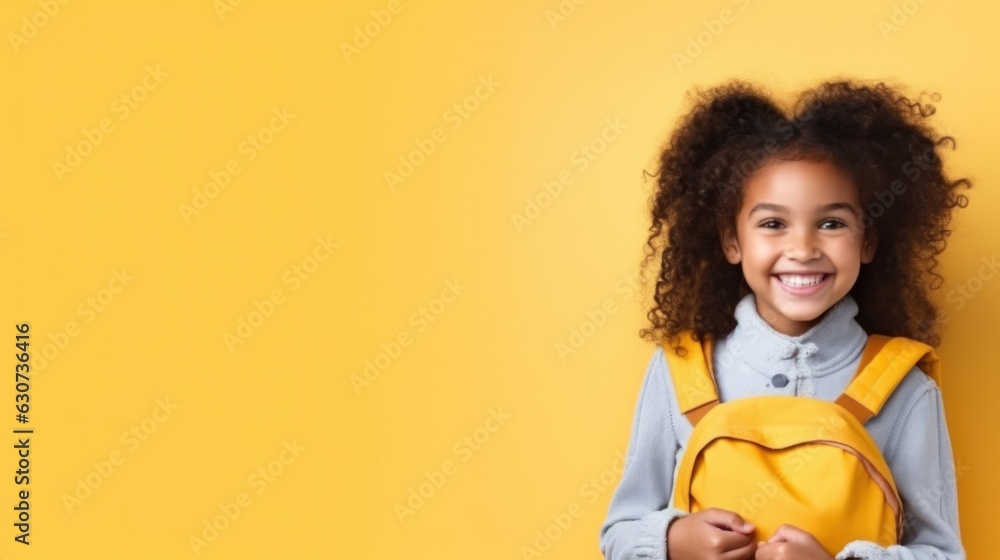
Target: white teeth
x=797, y=280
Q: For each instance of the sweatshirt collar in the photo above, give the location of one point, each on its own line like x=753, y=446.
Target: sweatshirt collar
x=830, y=345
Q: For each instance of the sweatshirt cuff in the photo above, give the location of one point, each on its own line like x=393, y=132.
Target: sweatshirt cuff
x=864, y=550
x=652, y=543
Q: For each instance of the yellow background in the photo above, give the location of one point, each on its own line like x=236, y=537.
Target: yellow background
x=491, y=349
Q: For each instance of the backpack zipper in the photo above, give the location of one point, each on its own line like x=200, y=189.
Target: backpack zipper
x=890, y=494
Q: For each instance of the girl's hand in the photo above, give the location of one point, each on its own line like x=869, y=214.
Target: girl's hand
x=791, y=543
x=710, y=534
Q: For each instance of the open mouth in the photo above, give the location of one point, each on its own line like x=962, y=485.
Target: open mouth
x=799, y=281
x=803, y=284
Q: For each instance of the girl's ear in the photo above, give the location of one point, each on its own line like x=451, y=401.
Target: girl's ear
x=868, y=248
x=730, y=245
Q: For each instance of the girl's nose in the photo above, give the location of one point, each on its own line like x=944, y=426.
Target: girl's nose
x=802, y=247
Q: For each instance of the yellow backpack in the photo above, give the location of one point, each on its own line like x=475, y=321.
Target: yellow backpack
x=802, y=461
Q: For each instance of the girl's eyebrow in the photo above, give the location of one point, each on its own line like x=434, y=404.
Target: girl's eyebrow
x=770, y=206
x=838, y=206
x=762, y=206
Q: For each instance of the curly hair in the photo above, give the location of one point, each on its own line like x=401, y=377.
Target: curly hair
x=873, y=132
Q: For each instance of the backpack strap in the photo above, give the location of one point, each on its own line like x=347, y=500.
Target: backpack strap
x=884, y=363
x=694, y=380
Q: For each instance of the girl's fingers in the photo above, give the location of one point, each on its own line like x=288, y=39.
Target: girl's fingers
x=741, y=553
x=788, y=533
x=731, y=540
x=728, y=520
x=763, y=553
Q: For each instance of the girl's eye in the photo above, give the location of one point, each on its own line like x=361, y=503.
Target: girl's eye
x=835, y=224
x=770, y=224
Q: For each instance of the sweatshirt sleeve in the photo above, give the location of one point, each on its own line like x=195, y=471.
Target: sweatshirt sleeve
x=922, y=464
x=638, y=517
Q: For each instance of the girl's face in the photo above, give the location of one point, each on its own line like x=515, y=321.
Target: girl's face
x=800, y=240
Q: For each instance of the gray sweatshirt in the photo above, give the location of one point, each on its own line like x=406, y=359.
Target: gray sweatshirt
x=910, y=431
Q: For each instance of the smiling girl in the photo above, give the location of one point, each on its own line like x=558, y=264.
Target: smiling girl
x=787, y=238
x=800, y=241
